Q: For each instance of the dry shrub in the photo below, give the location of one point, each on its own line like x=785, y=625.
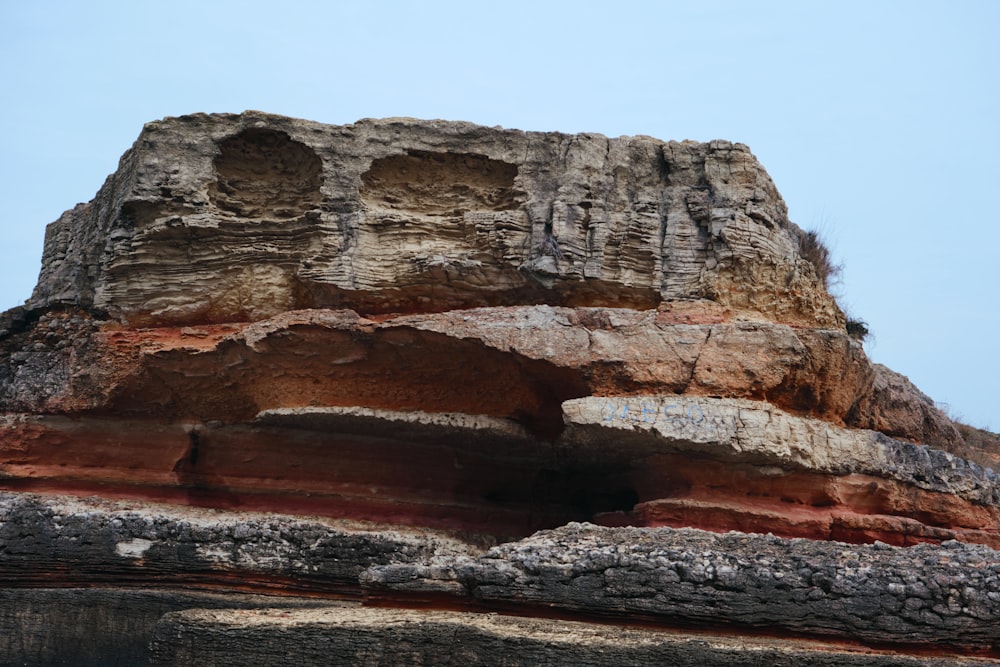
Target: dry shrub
x=814, y=251
x=857, y=329
x=981, y=445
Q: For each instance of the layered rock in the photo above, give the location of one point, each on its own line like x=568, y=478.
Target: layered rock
x=926, y=600
x=923, y=595
x=104, y=626
x=221, y=218
x=431, y=337
x=401, y=637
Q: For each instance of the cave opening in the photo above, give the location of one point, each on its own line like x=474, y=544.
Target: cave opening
x=265, y=174
x=555, y=496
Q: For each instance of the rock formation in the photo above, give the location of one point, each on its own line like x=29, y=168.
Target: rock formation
x=406, y=391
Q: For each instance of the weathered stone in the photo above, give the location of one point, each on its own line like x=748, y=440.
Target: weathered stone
x=743, y=431
x=65, y=362
x=102, y=626
x=728, y=464
x=401, y=637
x=475, y=333
x=945, y=595
x=897, y=408
x=227, y=217
x=643, y=460
x=95, y=541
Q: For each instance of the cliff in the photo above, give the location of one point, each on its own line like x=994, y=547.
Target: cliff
x=371, y=388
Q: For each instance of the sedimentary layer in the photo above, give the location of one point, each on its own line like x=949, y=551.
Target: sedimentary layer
x=405, y=390
x=405, y=637
x=66, y=362
x=107, y=626
x=650, y=460
x=230, y=217
x=924, y=599
x=947, y=595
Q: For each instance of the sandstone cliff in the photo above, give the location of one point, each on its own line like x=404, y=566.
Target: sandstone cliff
x=379, y=357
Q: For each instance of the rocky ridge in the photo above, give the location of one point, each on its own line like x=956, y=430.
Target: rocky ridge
x=364, y=365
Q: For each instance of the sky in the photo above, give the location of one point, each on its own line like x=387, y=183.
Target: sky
x=879, y=121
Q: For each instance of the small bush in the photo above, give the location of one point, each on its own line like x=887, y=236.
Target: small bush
x=813, y=250
x=857, y=329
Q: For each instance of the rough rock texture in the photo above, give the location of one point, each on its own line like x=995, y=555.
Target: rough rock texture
x=926, y=599
x=738, y=464
x=291, y=359
x=50, y=538
x=102, y=626
x=223, y=217
x=398, y=637
x=948, y=595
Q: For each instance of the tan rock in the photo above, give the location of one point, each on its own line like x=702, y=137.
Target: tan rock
x=222, y=217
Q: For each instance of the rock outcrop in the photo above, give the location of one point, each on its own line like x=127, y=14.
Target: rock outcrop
x=359, y=368
x=229, y=218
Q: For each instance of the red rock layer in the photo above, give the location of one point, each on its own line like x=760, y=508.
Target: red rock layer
x=502, y=488
x=854, y=508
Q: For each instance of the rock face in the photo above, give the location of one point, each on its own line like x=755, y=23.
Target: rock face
x=229, y=218
x=369, y=636
x=360, y=367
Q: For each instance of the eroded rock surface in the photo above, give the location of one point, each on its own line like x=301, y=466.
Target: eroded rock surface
x=945, y=598
x=945, y=595
x=104, y=626
x=224, y=217
x=402, y=637
x=367, y=363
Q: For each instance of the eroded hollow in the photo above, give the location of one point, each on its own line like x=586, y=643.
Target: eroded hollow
x=262, y=173
x=440, y=183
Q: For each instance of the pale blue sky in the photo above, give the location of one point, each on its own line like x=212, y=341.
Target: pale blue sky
x=879, y=121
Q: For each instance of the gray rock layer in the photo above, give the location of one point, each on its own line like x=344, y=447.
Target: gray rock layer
x=927, y=596
x=945, y=595
x=101, y=627
x=400, y=637
x=741, y=430
x=112, y=541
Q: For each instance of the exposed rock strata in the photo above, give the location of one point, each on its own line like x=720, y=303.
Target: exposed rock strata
x=104, y=626
x=222, y=217
x=926, y=598
x=63, y=539
x=194, y=414
x=735, y=464
x=640, y=460
x=385, y=346
x=398, y=637
x=948, y=595
x=217, y=373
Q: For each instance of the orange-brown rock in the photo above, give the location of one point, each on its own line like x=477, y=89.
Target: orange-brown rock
x=568, y=351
